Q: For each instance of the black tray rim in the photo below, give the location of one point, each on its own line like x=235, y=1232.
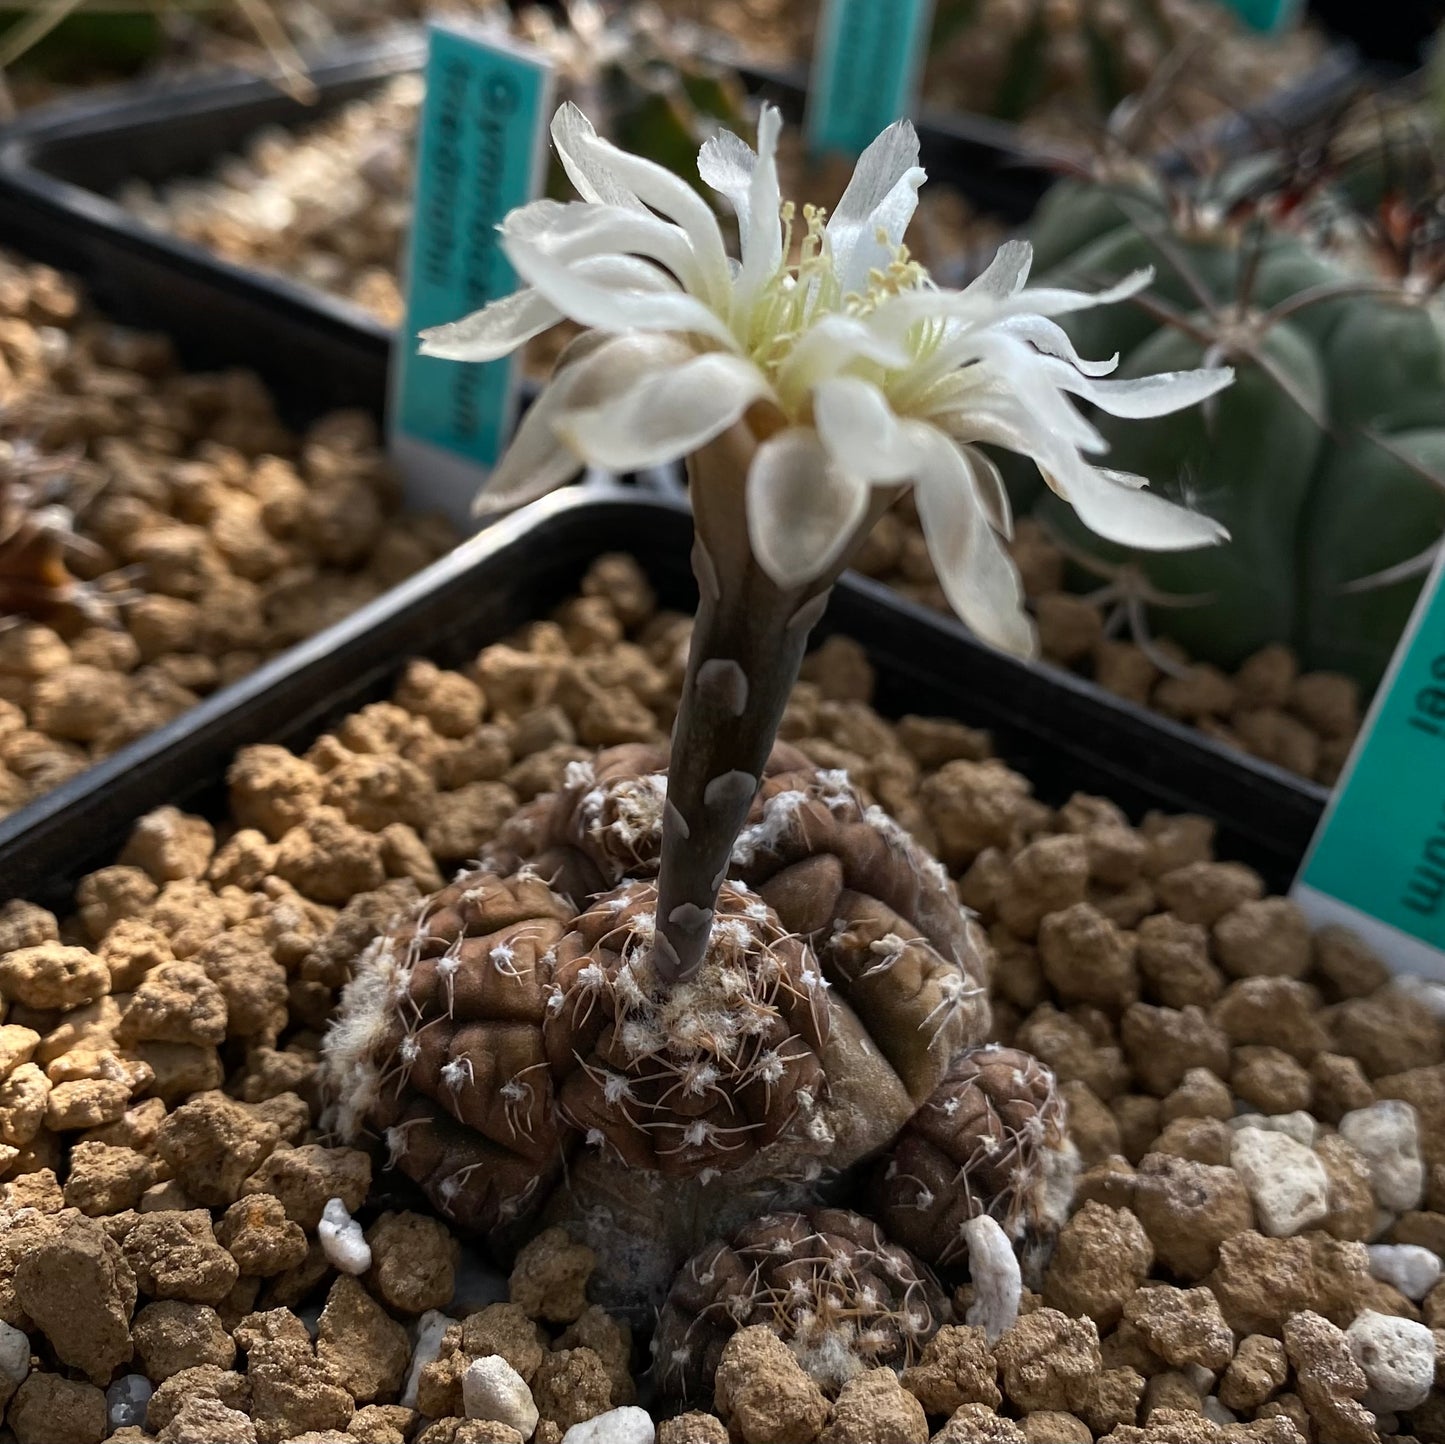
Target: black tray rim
x=129, y=782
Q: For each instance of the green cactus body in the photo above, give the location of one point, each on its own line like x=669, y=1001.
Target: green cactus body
x=1012, y=55
x=1352, y=532
x=1246, y=461
x=85, y=43
x=1326, y=459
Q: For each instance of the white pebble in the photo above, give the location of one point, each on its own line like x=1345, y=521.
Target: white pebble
x=1407, y=1267
x=342, y=1240
x=1298, y=1125
x=997, y=1282
x=1398, y=1357
x=14, y=1354
x=1387, y=1134
x=493, y=1389
x=1423, y=992
x=1286, y=1181
x=429, y=1330
x=126, y=1401
x=617, y=1426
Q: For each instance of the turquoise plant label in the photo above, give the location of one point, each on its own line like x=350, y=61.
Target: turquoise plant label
x=481, y=152
x=1378, y=861
x=865, y=70
x=1267, y=15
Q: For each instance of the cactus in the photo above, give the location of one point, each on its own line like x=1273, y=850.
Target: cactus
x=1326, y=460
x=85, y=42
x=508, y=1031
x=762, y=977
x=827, y=1282
x=992, y=1140
x=1007, y=57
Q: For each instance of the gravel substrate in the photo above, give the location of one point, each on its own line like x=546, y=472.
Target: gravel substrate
x=330, y=204
x=1229, y=68
x=1306, y=722
x=1253, y=1252
x=206, y=536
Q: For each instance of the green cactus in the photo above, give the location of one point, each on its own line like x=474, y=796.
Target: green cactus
x=1327, y=458
x=1009, y=56
x=85, y=43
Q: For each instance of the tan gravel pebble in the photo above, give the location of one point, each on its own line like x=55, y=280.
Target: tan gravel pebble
x=764, y=1395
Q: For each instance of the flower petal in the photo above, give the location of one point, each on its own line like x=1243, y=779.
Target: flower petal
x=577, y=230
x=612, y=309
x=498, y=329
x=1050, y=339
x=645, y=182
x=726, y=162
x=762, y=238
x=860, y=431
x=665, y=415
x=571, y=132
x=538, y=460
x=1118, y=509
x=882, y=195
x=1055, y=301
x=974, y=569
x=1006, y=275
x=493, y=332
x=1148, y=396
x=992, y=492
x=802, y=510
x=830, y=346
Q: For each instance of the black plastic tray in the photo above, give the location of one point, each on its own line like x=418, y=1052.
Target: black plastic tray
x=1395, y=33
x=1059, y=731
x=60, y=164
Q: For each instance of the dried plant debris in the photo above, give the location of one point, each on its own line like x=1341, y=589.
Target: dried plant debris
x=161, y=533
x=179, y=1250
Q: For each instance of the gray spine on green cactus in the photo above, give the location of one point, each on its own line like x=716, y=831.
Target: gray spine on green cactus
x=992, y=1140
x=828, y=1282
x=505, y=1030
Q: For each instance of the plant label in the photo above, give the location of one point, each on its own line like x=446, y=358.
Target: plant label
x=866, y=69
x=481, y=153
x=1377, y=863
x=1271, y=16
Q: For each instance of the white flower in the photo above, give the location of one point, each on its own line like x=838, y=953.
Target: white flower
x=851, y=368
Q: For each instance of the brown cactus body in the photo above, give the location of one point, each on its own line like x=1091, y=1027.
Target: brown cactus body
x=510, y=1027
x=826, y=1281
x=992, y=1140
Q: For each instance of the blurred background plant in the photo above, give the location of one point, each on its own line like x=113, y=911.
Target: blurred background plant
x=1317, y=271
